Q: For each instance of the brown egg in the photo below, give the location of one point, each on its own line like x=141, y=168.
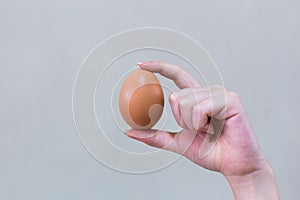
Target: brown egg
x=141, y=99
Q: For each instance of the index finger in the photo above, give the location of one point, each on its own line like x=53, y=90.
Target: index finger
x=180, y=77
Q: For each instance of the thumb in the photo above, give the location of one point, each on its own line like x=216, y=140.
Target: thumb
x=155, y=138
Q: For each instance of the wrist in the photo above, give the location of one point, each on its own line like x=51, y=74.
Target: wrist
x=259, y=184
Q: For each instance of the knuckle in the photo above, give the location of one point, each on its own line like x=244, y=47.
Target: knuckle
x=233, y=98
x=183, y=102
x=198, y=110
x=176, y=74
x=218, y=87
x=233, y=95
x=217, y=90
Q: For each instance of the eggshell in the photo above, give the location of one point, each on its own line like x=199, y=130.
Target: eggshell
x=141, y=100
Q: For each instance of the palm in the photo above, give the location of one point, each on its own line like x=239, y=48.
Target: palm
x=235, y=153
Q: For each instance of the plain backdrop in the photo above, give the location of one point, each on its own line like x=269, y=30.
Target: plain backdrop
x=255, y=44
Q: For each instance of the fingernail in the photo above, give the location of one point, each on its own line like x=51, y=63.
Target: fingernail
x=173, y=98
x=144, y=63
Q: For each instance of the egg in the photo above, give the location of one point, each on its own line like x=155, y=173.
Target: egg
x=141, y=100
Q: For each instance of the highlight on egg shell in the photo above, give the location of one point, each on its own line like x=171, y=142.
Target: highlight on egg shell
x=141, y=100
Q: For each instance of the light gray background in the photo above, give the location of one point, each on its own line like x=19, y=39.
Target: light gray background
x=254, y=43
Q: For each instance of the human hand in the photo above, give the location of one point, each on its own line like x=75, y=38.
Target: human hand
x=236, y=154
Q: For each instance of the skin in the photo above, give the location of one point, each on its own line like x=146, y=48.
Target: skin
x=236, y=155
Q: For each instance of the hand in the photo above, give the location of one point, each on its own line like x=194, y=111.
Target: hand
x=236, y=154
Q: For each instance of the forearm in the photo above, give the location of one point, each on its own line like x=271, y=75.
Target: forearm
x=258, y=185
